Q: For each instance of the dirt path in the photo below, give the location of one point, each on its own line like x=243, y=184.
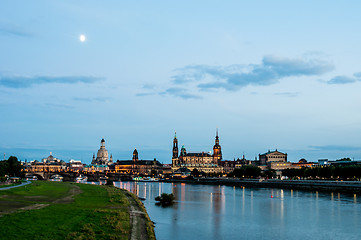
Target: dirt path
x=138, y=227
x=75, y=190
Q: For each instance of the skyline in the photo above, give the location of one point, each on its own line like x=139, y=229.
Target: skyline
x=269, y=75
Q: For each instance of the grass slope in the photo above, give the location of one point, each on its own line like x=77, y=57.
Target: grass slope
x=97, y=212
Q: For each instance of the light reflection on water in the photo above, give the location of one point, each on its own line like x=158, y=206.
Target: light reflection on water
x=224, y=212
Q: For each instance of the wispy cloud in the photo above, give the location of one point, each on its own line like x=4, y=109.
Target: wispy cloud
x=233, y=77
x=335, y=148
x=191, y=80
x=345, y=79
x=287, y=94
x=93, y=99
x=13, y=31
x=27, y=82
x=63, y=106
x=180, y=92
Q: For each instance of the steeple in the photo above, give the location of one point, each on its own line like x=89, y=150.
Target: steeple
x=135, y=155
x=217, y=138
x=175, y=146
x=217, y=150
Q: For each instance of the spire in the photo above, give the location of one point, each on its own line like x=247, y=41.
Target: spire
x=175, y=134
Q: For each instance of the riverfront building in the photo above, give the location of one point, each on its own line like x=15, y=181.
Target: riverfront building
x=102, y=156
x=274, y=160
x=138, y=167
x=202, y=161
x=49, y=164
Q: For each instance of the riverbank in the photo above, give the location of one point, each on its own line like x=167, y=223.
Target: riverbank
x=308, y=185
x=55, y=210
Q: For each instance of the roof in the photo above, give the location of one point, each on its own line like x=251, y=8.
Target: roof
x=138, y=162
x=202, y=154
x=269, y=152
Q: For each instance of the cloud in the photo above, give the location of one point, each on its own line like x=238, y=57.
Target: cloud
x=287, y=94
x=180, y=92
x=345, y=79
x=95, y=99
x=27, y=82
x=341, y=80
x=357, y=75
x=144, y=94
x=13, y=31
x=64, y=106
x=233, y=77
x=335, y=148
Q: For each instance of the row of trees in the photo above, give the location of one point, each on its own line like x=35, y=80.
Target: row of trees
x=248, y=171
x=11, y=167
x=351, y=172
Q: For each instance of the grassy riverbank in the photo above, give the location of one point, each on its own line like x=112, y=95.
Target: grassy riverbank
x=53, y=210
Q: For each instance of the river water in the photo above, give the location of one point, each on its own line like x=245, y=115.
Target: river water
x=224, y=212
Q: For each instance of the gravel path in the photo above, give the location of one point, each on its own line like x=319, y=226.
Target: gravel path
x=138, y=227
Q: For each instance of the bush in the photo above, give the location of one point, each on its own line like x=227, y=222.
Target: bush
x=109, y=183
x=165, y=199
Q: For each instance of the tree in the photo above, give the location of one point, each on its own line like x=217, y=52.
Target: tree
x=165, y=199
x=248, y=171
x=195, y=172
x=11, y=167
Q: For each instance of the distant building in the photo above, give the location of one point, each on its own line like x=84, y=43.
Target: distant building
x=303, y=163
x=102, y=156
x=274, y=160
x=96, y=168
x=203, y=161
x=49, y=164
x=323, y=162
x=138, y=167
x=75, y=165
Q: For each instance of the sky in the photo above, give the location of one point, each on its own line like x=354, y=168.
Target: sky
x=272, y=75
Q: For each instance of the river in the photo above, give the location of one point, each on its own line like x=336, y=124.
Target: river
x=225, y=212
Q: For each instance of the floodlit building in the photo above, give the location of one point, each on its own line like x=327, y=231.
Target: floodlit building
x=202, y=161
x=138, y=167
x=274, y=160
x=102, y=156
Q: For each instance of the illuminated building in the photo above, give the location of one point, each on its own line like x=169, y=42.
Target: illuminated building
x=202, y=161
x=102, y=156
x=138, y=167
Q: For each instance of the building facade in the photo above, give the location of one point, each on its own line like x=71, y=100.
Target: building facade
x=138, y=167
x=102, y=156
x=274, y=160
x=202, y=161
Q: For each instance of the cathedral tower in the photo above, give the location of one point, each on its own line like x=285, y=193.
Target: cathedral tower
x=135, y=155
x=175, y=150
x=217, y=151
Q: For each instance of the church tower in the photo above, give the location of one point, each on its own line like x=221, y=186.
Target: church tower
x=217, y=151
x=175, y=151
x=135, y=155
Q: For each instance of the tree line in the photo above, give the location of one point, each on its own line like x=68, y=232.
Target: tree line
x=348, y=172
x=11, y=167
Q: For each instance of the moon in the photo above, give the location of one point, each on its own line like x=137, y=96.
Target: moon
x=82, y=38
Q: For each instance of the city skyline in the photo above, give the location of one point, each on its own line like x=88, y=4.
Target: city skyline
x=274, y=75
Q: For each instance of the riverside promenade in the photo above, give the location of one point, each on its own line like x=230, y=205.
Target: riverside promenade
x=15, y=186
x=309, y=185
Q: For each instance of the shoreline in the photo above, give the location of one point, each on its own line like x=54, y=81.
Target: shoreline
x=307, y=185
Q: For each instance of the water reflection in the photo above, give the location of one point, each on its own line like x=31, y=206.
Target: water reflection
x=221, y=212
